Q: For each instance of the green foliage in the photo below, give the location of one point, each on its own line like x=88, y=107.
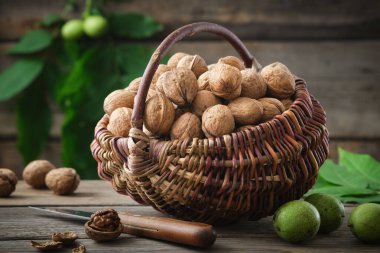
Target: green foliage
x=133, y=25
x=355, y=179
x=18, y=76
x=77, y=76
x=33, y=122
x=32, y=42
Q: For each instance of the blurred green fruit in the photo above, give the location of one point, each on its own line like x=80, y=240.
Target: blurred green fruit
x=365, y=222
x=296, y=221
x=72, y=29
x=330, y=209
x=95, y=26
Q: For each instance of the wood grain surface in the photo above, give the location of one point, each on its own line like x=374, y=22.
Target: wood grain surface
x=20, y=224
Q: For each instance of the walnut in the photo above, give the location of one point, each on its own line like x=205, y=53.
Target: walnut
x=8, y=181
x=159, y=114
x=246, y=110
x=232, y=61
x=217, y=121
x=62, y=181
x=80, y=249
x=117, y=99
x=180, y=111
x=280, y=81
x=35, y=172
x=46, y=246
x=179, y=85
x=211, y=66
x=225, y=81
x=188, y=125
x=195, y=63
x=134, y=85
x=253, y=84
x=272, y=107
x=175, y=58
x=120, y=122
x=203, y=100
x=162, y=68
x=203, y=81
x=104, y=225
x=287, y=102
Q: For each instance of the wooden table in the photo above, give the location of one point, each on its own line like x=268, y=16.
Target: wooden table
x=20, y=224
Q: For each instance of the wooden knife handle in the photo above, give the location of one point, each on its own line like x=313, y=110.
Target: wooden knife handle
x=167, y=229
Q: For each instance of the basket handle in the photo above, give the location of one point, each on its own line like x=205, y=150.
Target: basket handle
x=167, y=43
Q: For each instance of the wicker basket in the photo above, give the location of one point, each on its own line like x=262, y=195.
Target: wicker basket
x=250, y=173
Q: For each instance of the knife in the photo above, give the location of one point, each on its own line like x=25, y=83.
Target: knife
x=161, y=228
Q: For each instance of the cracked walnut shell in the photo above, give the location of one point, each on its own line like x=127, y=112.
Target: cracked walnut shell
x=62, y=181
x=188, y=125
x=35, y=172
x=225, y=81
x=217, y=121
x=159, y=114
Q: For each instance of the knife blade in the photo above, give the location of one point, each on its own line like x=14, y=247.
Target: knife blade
x=161, y=228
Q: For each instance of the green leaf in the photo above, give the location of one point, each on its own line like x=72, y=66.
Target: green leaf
x=133, y=25
x=33, y=122
x=32, y=42
x=18, y=76
x=375, y=198
x=340, y=175
x=51, y=20
x=340, y=191
x=363, y=166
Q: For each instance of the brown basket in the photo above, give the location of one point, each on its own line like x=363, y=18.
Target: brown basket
x=250, y=172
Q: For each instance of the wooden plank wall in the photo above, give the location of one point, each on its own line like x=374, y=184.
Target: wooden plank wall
x=334, y=45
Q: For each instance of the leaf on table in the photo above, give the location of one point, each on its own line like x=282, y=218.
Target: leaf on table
x=340, y=191
x=133, y=25
x=362, y=165
x=18, y=76
x=374, y=198
x=340, y=175
x=33, y=122
x=32, y=42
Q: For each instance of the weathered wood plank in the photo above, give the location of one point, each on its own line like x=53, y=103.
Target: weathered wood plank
x=19, y=225
x=249, y=19
x=342, y=75
x=90, y=192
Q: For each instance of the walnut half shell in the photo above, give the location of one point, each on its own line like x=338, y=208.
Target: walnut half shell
x=46, y=246
x=67, y=238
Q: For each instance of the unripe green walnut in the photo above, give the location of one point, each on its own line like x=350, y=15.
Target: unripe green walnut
x=95, y=26
x=72, y=29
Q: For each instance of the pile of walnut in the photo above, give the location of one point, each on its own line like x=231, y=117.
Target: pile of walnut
x=190, y=99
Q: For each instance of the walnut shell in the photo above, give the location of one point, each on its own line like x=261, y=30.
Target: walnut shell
x=203, y=81
x=67, y=238
x=188, y=125
x=246, y=110
x=225, y=81
x=253, y=84
x=175, y=58
x=35, y=172
x=134, y=85
x=8, y=181
x=232, y=61
x=117, y=99
x=46, y=246
x=159, y=114
x=162, y=68
x=179, y=85
x=211, y=66
x=62, y=181
x=195, y=63
x=279, y=79
x=217, y=121
x=203, y=100
x=287, y=102
x=272, y=107
x=120, y=122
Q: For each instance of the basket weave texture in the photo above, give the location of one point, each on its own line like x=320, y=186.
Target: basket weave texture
x=247, y=173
